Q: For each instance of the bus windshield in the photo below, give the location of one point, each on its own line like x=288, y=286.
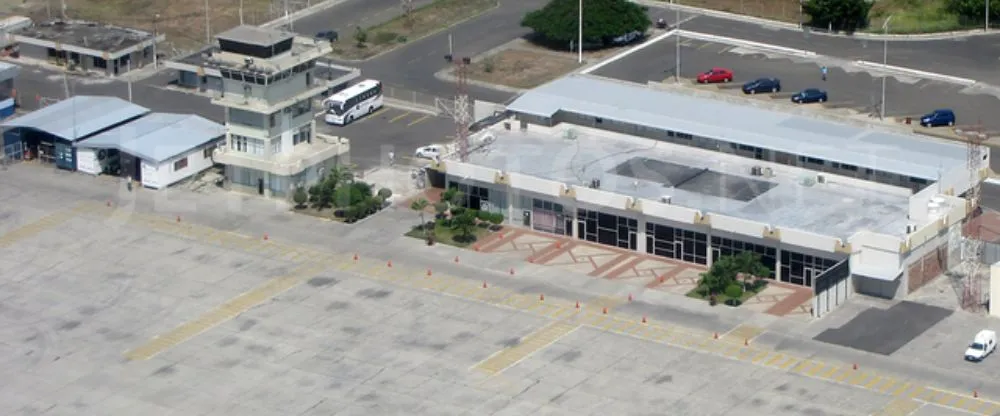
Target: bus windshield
x=335, y=107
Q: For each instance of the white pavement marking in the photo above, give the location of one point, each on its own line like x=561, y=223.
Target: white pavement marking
x=622, y=55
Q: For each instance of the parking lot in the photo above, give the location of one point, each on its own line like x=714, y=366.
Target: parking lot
x=391, y=130
x=846, y=84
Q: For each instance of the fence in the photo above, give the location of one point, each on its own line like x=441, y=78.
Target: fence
x=420, y=99
x=12, y=153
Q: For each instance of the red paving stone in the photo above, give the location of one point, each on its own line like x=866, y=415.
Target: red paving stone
x=600, y=270
x=498, y=239
x=624, y=268
x=551, y=252
x=790, y=303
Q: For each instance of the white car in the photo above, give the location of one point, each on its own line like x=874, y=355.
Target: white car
x=429, y=152
x=982, y=345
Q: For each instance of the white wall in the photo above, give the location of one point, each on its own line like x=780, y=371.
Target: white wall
x=994, y=288
x=86, y=161
x=876, y=252
x=164, y=175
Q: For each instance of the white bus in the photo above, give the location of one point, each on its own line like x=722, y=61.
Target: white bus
x=353, y=102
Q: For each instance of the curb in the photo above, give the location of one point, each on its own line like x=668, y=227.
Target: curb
x=302, y=13
x=747, y=44
x=920, y=74
x=792, y=26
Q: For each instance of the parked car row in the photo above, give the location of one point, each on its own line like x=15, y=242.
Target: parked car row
x=770, y=85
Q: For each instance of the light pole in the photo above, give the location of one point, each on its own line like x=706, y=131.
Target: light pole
x=987, y=28
x=677, y=44
x=579, y=40
x=885, y=60
x=155, y=18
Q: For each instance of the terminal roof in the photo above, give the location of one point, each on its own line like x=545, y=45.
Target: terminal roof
x=906, y=154
x=78, y=117
x=83, y=34
x=158, y=137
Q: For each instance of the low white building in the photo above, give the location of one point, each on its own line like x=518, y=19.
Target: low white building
x=157, y=150
x=829, y=205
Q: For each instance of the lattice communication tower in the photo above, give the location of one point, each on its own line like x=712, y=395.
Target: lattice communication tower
x=972, y=246
x=461, y=110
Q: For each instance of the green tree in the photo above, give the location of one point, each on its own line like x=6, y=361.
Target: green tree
x=352, y=194
x=726, y=269
x=420, y=206
x=385, y=194
x=973, y=10
x=300, y=197
x=558, y=22
x=361, y=36
x=464, y=224
x=846, y=15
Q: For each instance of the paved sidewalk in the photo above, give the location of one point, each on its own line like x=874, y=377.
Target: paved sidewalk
x=652, y=272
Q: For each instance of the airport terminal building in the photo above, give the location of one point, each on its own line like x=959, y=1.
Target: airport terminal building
x=828, y=205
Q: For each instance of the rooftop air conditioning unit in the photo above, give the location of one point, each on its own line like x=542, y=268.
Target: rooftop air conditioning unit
x=665, y=199
x=768, y=173
x=756, y=171
x=911, y=228
x=820, y=179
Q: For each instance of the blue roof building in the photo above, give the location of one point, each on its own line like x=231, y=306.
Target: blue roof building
x=50, y=132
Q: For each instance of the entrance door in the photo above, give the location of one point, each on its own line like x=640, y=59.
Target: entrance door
x=678, y=250
x=632, y=240
x=581, y=229
x=716, y=254
x=808, y=273
x=568, y=224
x=260, y=186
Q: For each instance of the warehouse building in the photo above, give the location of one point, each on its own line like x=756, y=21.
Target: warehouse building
x=157, y=150
x=831, y=206
x=87, y=46
x=49, y=133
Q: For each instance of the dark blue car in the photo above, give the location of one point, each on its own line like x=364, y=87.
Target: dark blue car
x=941, y=117
x=762, y=85
x=811, y=95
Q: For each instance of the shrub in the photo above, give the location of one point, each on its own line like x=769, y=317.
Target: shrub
x=300, y=197
x=489, y=65
x=458, y=211
x=352, y=194
x=484, y=216
x=496, y=218
x=385, y=193
x=734, y=291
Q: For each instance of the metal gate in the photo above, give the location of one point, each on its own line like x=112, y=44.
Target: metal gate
x=831, y=288
x=13, y=153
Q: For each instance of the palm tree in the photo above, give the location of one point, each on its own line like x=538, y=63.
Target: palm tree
x=420, y=205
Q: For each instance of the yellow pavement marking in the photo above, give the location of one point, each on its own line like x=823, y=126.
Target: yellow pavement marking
x=886, y=385
x=774, y=359
x=221, y=314
x=529, y=345
x=37, y=227
x=418, y=121
x=899, y=407
x=674, y=335
x=743, y=333
x=397, y=118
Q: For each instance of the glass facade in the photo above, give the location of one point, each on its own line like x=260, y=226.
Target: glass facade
x=607, y=229
x=676, y=243
x=728, y=247
x=800, y=269
x=482, y=198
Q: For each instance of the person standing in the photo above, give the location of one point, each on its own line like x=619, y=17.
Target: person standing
x=822, y=70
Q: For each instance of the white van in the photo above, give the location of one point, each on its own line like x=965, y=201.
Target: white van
x=982, y=345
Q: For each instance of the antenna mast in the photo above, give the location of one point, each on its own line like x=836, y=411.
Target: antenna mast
x=461, y=111
x=972, y=245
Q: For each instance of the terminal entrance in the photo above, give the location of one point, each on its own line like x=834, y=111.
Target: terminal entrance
x=676, y=243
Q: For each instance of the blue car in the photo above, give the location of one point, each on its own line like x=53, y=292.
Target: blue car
x=762, y=85
x=941, y=117
x=811, y=95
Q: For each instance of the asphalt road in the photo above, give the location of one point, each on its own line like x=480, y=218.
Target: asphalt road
x=974, y=57
x=390, y=129
x=848, y=85
x=347, y=16
x=34, y=83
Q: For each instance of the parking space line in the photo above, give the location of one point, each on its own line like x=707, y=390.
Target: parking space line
x=401, y=116
x=946, y=399
x=418, y=121
x=529, y=345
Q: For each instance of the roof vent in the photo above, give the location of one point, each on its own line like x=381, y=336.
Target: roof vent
x=911, y=228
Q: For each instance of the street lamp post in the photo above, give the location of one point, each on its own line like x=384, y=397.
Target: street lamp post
x=155, y=18
x=987, y=28
x=885, y=60
x=579, y=40
x=677, y=43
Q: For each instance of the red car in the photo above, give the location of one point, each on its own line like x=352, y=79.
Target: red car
x=715, y=75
